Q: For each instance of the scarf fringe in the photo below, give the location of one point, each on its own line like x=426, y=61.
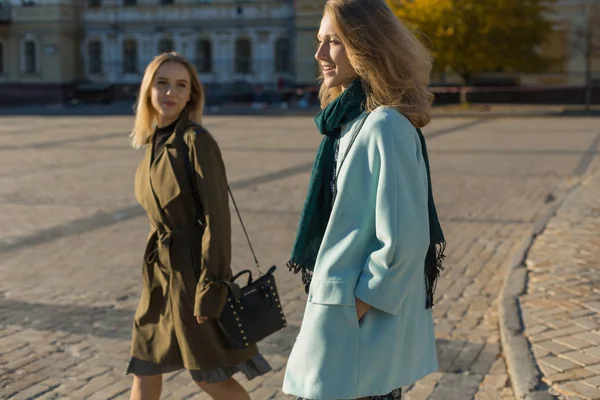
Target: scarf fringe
x=306, y=273
x=433, y=269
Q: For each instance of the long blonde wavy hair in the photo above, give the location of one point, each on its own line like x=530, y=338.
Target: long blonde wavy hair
x=145, y=114
x=392, y=64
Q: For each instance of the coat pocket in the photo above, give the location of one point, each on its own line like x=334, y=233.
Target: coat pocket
x=332, y=292
x=338, y=294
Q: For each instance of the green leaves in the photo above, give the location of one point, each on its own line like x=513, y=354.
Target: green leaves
x=472, y=36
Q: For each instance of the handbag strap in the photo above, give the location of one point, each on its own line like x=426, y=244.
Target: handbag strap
x=354, y=136
x=200, y=209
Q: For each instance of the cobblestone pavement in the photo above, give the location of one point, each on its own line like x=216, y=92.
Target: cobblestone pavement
x=72, y=237
x=561, y=309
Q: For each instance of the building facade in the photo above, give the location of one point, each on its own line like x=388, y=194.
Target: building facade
x=47, y=45
x=228, y=41
x=308, y=18
x=38, y=47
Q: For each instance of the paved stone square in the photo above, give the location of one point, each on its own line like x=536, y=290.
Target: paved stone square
x=72, y=237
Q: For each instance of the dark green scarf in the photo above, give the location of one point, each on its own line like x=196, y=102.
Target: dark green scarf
x=319, y=200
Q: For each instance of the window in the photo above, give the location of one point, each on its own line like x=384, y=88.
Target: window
x=30, y=57
x=204, y=56
x=1, y=58
x=94, y=3
x=165, y=45
x=129, y=3
x=166, y=2
x=95, y=57
x=130, y=57
x=243, y=56
x=282, y=55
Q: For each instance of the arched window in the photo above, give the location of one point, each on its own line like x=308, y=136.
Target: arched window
x=203, y=59
x=243, y=56
x=282, y=55
x=95, y=57
x=165, y=45
x=130, y=57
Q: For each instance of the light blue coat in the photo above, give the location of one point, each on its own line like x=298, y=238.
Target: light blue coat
x=374, y=248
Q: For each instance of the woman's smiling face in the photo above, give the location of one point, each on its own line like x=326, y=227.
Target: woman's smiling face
x=332, y=57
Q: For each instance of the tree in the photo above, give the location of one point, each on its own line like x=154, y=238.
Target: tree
x=586, y=40
x=473, y=36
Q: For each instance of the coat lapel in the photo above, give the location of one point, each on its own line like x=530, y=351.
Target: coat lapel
x=163, y=178
x=142, y=180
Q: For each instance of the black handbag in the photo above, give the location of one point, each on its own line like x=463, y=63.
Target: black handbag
x=254, y=311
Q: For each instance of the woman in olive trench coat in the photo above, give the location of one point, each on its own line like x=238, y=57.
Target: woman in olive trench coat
x=187, y=256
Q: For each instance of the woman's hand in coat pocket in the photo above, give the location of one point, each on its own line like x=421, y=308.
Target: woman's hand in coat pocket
x=361, y=308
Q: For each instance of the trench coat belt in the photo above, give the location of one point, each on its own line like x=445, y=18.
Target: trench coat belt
x=164, y=236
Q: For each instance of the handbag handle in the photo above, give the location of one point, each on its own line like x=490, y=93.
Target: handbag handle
x=246, y=271
x=199, y=208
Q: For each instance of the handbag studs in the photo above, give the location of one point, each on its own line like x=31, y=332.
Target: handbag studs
x=242, y=335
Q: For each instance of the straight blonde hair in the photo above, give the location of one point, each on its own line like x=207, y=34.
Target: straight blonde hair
x=391, y=63
x=145, y=114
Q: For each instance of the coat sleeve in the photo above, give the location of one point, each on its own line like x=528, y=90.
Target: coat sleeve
x=215, y=266
x=401, y=218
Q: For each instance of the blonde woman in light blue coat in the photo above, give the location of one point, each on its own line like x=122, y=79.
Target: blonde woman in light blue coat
x=369, y=244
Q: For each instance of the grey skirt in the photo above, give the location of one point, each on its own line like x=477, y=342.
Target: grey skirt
x=255, y=366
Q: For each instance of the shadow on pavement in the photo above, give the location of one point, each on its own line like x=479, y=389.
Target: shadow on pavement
x=463, y=363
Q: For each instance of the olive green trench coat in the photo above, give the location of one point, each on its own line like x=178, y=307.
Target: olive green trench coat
x=184, y=263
